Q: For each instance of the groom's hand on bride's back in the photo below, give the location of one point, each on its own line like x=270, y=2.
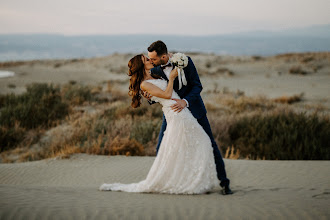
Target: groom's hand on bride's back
x=179, y=105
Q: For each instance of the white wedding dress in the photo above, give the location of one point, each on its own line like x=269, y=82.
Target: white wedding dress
x=185, y=162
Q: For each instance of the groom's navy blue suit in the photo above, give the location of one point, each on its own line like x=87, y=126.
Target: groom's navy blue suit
x=191, y=92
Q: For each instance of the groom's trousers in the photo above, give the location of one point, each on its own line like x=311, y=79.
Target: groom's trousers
x=220, y=165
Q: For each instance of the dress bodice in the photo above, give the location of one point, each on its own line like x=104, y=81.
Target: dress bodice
x=162, y=84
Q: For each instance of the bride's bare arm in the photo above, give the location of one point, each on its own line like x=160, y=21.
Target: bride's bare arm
x=156, y=91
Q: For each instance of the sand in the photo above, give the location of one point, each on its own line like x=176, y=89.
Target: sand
x=68, y=189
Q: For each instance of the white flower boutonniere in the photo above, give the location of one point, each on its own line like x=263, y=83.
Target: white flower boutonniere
x=181, y=61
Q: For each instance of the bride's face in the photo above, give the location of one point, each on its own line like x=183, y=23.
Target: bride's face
x=147, y=63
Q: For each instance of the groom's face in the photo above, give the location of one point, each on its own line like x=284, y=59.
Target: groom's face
x=157, y=60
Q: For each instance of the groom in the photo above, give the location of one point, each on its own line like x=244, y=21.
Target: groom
x=190, y=98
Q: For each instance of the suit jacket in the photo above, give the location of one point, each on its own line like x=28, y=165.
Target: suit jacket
x=190, y=92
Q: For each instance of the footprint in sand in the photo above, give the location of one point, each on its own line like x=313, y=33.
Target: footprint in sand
x=248, y=190
x=324, y=195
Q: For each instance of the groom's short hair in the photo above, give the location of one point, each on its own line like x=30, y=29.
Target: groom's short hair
x=158, y=46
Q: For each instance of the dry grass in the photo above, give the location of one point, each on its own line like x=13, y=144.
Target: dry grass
x=111, y=131
x=231, y=154
x=289, y=99
x=11, y=86
x=12, y=64
x=297, y=70
x=101, y=121
x=258, y=123
x=114, y=128
x=239, y=103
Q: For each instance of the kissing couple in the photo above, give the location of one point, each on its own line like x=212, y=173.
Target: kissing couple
x=188, y=159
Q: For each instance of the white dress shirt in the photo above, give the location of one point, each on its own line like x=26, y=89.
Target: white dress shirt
x=167, y=70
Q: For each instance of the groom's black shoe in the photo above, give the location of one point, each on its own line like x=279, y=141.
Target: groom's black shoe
x=226, y=190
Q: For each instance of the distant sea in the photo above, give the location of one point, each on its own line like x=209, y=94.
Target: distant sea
x=50, y=46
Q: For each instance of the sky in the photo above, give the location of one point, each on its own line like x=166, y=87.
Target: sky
x=171, y=17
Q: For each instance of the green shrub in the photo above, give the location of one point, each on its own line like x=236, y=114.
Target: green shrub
x=156, y=112
x=76, y=94
x=283, y=136
x=10, y=136
x=124, y=109
x=41, y=105
x=145, y=130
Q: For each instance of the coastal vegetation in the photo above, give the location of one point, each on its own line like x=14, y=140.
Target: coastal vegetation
x=52, y=120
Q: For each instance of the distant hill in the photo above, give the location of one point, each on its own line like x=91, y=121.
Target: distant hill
x=51, y=46
x=319, y=31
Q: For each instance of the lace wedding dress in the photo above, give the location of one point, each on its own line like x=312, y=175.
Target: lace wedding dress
x=185, y=162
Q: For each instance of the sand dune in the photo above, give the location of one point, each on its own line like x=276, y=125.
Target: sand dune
x=68, y=189
x=254, y=75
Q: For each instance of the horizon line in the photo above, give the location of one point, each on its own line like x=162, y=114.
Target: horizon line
x=168, y=35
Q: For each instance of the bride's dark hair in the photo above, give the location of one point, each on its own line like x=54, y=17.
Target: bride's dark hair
x=137, y=74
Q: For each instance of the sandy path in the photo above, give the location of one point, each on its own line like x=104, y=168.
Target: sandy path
x=68, y=189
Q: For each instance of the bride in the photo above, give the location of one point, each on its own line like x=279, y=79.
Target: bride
x=185, y=162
